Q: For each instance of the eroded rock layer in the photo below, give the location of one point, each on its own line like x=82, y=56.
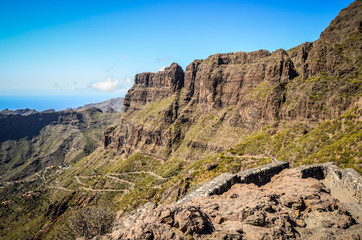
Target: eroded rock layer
x=149, y=87
x=290, y=206
x=310, y=83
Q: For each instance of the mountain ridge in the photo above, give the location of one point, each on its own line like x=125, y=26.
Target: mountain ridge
x=225, y=114
x=312, y=82
x=31, y=140
x=113, y=104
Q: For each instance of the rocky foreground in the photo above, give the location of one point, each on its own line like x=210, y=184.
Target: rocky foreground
x=312, y=202
x=184, y=127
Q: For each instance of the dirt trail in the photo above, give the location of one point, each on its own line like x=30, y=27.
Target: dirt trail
x=90, y=189
x=61, y=188
x=146, y=172
x=104, y=190
x=121, y=180
x=345, y=197
x=109, y=175
x=152, y=156
x=78, y=181
x=249, y=156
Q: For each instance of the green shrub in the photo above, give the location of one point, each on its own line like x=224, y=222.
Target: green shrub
x=87, y=223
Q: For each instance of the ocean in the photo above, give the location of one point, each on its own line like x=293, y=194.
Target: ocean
x=41, y=103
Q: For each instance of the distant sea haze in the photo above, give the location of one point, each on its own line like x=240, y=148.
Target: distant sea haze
x=41, y=103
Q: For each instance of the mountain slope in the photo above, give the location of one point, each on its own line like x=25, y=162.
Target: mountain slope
x=114, y=103
x=174, y=114
x=33, y=142
x=238, y=110
x=224, y=114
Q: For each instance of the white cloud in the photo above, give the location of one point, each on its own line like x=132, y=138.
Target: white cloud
x=161, y=69
x=128, y=80
x=109, y=85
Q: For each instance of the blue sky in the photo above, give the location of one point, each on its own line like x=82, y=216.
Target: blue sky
x=92, y=49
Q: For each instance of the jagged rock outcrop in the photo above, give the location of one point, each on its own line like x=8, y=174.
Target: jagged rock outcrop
x=222, y=80
x=149, y=87
x=225, y=181
x=310, y=83
x=295, y=204
x=347, y=22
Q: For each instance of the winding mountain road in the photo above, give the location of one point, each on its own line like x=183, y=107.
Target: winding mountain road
x=121, y=180
x=141, y=172
x=112, y=176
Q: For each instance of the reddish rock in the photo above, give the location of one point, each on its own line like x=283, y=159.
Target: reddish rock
x=288, y=207
x=149, y=87
x=254, y=89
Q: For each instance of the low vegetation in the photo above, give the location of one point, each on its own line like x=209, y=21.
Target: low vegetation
x=87, y=223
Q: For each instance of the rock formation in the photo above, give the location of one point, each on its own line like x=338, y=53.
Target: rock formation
x=149, y=87
x=310, y=83
x=181, y=129
x=295, y=204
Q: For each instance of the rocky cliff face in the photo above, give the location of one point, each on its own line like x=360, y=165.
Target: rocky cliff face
x=150, y=87
x=224, y=114
x=222, y=80
x=310, y=83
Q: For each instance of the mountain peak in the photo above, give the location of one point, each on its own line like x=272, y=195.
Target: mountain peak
x=347, y=22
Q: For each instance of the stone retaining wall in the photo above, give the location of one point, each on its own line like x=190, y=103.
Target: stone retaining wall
x=346, y=178
x=259, y=176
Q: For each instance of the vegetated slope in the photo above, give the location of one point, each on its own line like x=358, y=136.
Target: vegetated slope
x=234, y=111
x=115, y=104
x=238, y=110
x=32, y=142
x=219, y=101
x=223, y=114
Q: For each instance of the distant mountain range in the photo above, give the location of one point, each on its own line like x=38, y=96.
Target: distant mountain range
x=63, y=172
x=113, y=104
x=109, y=106
x=47, y=133
x=23, y=112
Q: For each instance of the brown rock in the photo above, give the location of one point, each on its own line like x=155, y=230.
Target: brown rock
x=149, y=87
x=288, y=207
x=192, y=220
x=254, y=89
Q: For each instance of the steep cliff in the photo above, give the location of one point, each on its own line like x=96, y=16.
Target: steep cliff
x=149, y=87
x=224, y=114
x=176, y=114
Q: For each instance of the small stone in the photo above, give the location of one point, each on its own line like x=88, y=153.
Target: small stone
x=300, y=223
x=218, y=219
